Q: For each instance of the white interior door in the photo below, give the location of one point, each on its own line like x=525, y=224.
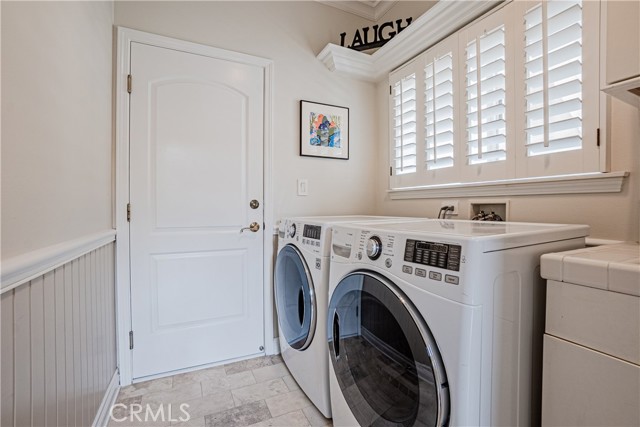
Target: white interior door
x=196, y=159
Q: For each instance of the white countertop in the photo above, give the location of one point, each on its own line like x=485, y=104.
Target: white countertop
x=614, y=268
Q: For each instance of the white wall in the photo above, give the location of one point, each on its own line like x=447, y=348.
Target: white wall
x=56, y=122
x=291, y=34
x=611, y=216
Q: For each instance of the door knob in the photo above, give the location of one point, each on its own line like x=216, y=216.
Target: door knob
x=254, y=226
x=254, y=204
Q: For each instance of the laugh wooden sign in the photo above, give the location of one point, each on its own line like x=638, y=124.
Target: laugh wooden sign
x=375, y=36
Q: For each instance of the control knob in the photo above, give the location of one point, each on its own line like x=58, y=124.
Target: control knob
x=291, y=230
x=374, y=248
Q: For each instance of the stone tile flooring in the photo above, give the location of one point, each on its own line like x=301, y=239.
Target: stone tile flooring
x=255, y=392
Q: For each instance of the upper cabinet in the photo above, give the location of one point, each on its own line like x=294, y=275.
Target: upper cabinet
x=621, y=54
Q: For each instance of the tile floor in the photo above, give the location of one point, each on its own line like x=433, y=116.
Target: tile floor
x=255, y=392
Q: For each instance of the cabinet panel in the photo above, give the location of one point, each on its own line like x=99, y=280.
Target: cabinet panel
x=582, y=387
x=622, y=40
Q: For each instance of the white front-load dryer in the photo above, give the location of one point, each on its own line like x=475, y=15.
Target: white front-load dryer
x=438, y=322
x=301, y=288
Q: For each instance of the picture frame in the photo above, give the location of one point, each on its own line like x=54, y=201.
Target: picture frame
x=324, y=130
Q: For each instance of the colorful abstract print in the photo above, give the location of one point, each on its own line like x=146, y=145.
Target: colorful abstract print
x=324, y=130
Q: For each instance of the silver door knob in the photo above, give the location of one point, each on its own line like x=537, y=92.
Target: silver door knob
x=254, y=226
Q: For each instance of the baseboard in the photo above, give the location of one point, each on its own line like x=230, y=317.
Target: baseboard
x=104, y=411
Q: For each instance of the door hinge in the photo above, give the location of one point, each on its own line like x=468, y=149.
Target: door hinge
x=129, y=83
x=128, y=212
x=389, y=89
x=598, y=137
x=130, y=340
x=390, y=170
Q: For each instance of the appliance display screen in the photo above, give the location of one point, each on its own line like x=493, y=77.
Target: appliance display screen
x=435, y=247
x=312, y=231
x=440, y=255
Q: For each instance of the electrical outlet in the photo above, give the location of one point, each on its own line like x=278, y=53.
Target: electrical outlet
x=453, y=203
x=303, y=187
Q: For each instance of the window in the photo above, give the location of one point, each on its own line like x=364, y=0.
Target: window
x=439, y=110
x=553, y=77
x=425, y=141
x=557, y=77
x=404, y=124
x=485, y=98
x=512, y=95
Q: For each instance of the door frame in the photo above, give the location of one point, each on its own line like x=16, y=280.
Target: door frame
x=125, y=36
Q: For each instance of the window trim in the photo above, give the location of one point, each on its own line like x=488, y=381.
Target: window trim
x=583, y=183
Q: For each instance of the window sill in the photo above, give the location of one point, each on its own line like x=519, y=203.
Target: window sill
x=610, y=182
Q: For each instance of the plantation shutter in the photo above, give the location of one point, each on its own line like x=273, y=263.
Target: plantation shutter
x=557, y=79
x=486, y=108
x=439, y=112
x=404, y=124
x=553, y=72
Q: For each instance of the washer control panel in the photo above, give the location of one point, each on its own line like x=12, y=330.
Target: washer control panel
x=433, y=254
x=311, y=236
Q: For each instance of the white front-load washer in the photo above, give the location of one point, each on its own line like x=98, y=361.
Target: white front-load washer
x=301, y=288
x=439, y=322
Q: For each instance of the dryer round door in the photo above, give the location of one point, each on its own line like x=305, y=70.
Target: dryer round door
x=295, y=298
x=384, y=356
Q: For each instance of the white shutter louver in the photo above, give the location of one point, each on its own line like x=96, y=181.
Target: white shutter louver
x=404, y=123
x=439, y=113
x=553, y=77
x=486, y=98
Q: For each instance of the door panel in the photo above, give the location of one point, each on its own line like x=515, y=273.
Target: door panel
x=196, y=161
x=195, y=272
x=185, y=118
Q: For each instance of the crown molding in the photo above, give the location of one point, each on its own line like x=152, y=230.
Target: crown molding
x=444, y=18
x=370, y=10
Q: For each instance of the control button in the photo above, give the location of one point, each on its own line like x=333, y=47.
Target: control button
x=434, y=275
x=388, y=263
x=453, y=280
x=421, y=273
x=407, y=269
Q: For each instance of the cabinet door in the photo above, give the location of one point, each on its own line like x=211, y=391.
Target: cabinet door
x=622, y=40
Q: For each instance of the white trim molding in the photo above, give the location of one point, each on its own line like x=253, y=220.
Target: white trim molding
x=109, y=399
x=23, y=268
x=596, y=182
x=623, y=91
x=125, y=36
x=370, y=10
x=443, y=19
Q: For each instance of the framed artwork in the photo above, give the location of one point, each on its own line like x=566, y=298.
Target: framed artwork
x=324, y=130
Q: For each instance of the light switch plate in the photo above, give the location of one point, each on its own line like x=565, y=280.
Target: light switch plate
x=303, y=187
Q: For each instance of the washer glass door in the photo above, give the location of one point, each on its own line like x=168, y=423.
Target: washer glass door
x=384, y=357
x=295, y=298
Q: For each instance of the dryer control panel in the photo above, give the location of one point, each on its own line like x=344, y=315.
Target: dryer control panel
x=433, y=254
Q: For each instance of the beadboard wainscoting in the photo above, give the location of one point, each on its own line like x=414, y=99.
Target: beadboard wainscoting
x=58, y=342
